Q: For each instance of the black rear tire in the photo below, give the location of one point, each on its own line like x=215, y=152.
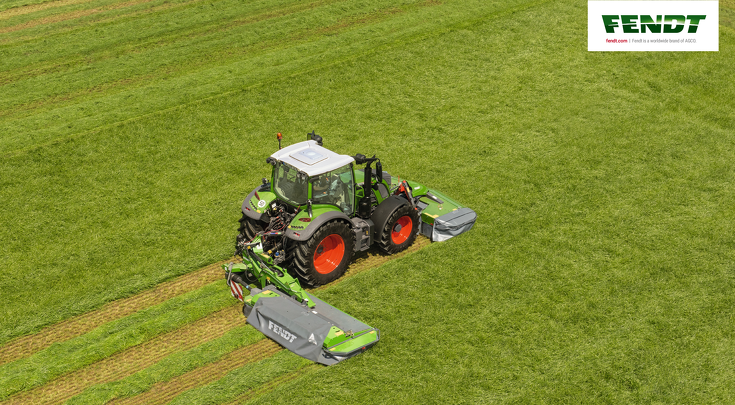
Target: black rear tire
x=400, y=230
x=325, y=256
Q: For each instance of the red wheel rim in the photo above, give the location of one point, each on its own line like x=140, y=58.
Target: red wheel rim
x=402, y=230
x=329, y=254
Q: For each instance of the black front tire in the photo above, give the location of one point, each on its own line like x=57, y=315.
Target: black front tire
x=325, y=256
x=400, y=230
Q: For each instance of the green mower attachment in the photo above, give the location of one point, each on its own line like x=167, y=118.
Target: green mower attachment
x=282, y=310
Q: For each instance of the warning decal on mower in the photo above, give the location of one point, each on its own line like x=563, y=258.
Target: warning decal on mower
x=235, y=288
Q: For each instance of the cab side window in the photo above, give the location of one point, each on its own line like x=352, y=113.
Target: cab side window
x=335, y=188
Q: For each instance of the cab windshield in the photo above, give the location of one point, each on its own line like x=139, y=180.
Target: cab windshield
x=290, y=185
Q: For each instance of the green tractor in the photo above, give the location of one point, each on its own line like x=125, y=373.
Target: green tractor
x=317, y=210
x=320, y=207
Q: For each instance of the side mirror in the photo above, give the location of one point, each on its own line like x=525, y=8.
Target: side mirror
x=360, y=159
x=379, y=171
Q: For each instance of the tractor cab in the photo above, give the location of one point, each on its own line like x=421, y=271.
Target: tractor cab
x=309, y=174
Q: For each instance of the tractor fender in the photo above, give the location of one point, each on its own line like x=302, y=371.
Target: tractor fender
x=383, y=211
x=316, y=223
x=250, y=210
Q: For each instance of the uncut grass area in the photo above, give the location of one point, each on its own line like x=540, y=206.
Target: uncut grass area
x=601, y=268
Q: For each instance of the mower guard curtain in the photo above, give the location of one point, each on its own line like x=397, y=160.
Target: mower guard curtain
x=300, y=329
x=453, y=224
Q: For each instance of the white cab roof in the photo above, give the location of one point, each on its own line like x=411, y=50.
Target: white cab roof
x=311, y=158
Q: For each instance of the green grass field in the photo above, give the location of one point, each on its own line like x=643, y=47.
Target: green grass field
x=601, y=268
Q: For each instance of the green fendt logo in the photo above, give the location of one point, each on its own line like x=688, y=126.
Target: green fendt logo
x=640, y=24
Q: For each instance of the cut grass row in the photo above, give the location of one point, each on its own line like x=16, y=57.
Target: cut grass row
x=207, y=332
x=151, y=35
x=115, y=12
x=253, y=393
x=165, y=392
x=79, y=325
x=78, y=15
x=110, y=338
x=299, y=42
x=176, y=373
x=152, y=47
x=27, y=345
x=174, y=362
x=11, y=8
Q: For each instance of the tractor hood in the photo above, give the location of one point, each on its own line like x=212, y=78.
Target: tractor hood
x=311, y=158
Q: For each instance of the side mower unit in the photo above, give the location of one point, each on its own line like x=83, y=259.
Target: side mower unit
x=292, y=317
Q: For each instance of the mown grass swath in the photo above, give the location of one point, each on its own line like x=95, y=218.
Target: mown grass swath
x=134, y=359
x=601, y=266
x=170, y=367
x=244, y=379
x=79, y=325
x=109, y=339
x=139, y=81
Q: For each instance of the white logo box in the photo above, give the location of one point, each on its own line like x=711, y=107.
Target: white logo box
x=695, y=33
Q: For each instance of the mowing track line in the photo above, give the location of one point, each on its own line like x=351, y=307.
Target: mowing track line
x=132, y=360
x=70, y=16
x=254, y=393
x=27, y=345
x=23, y=10
x=144, y=355
x=164, y=392
x=196, y=61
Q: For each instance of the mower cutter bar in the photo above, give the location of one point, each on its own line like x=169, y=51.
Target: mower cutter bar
x=294, y=318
